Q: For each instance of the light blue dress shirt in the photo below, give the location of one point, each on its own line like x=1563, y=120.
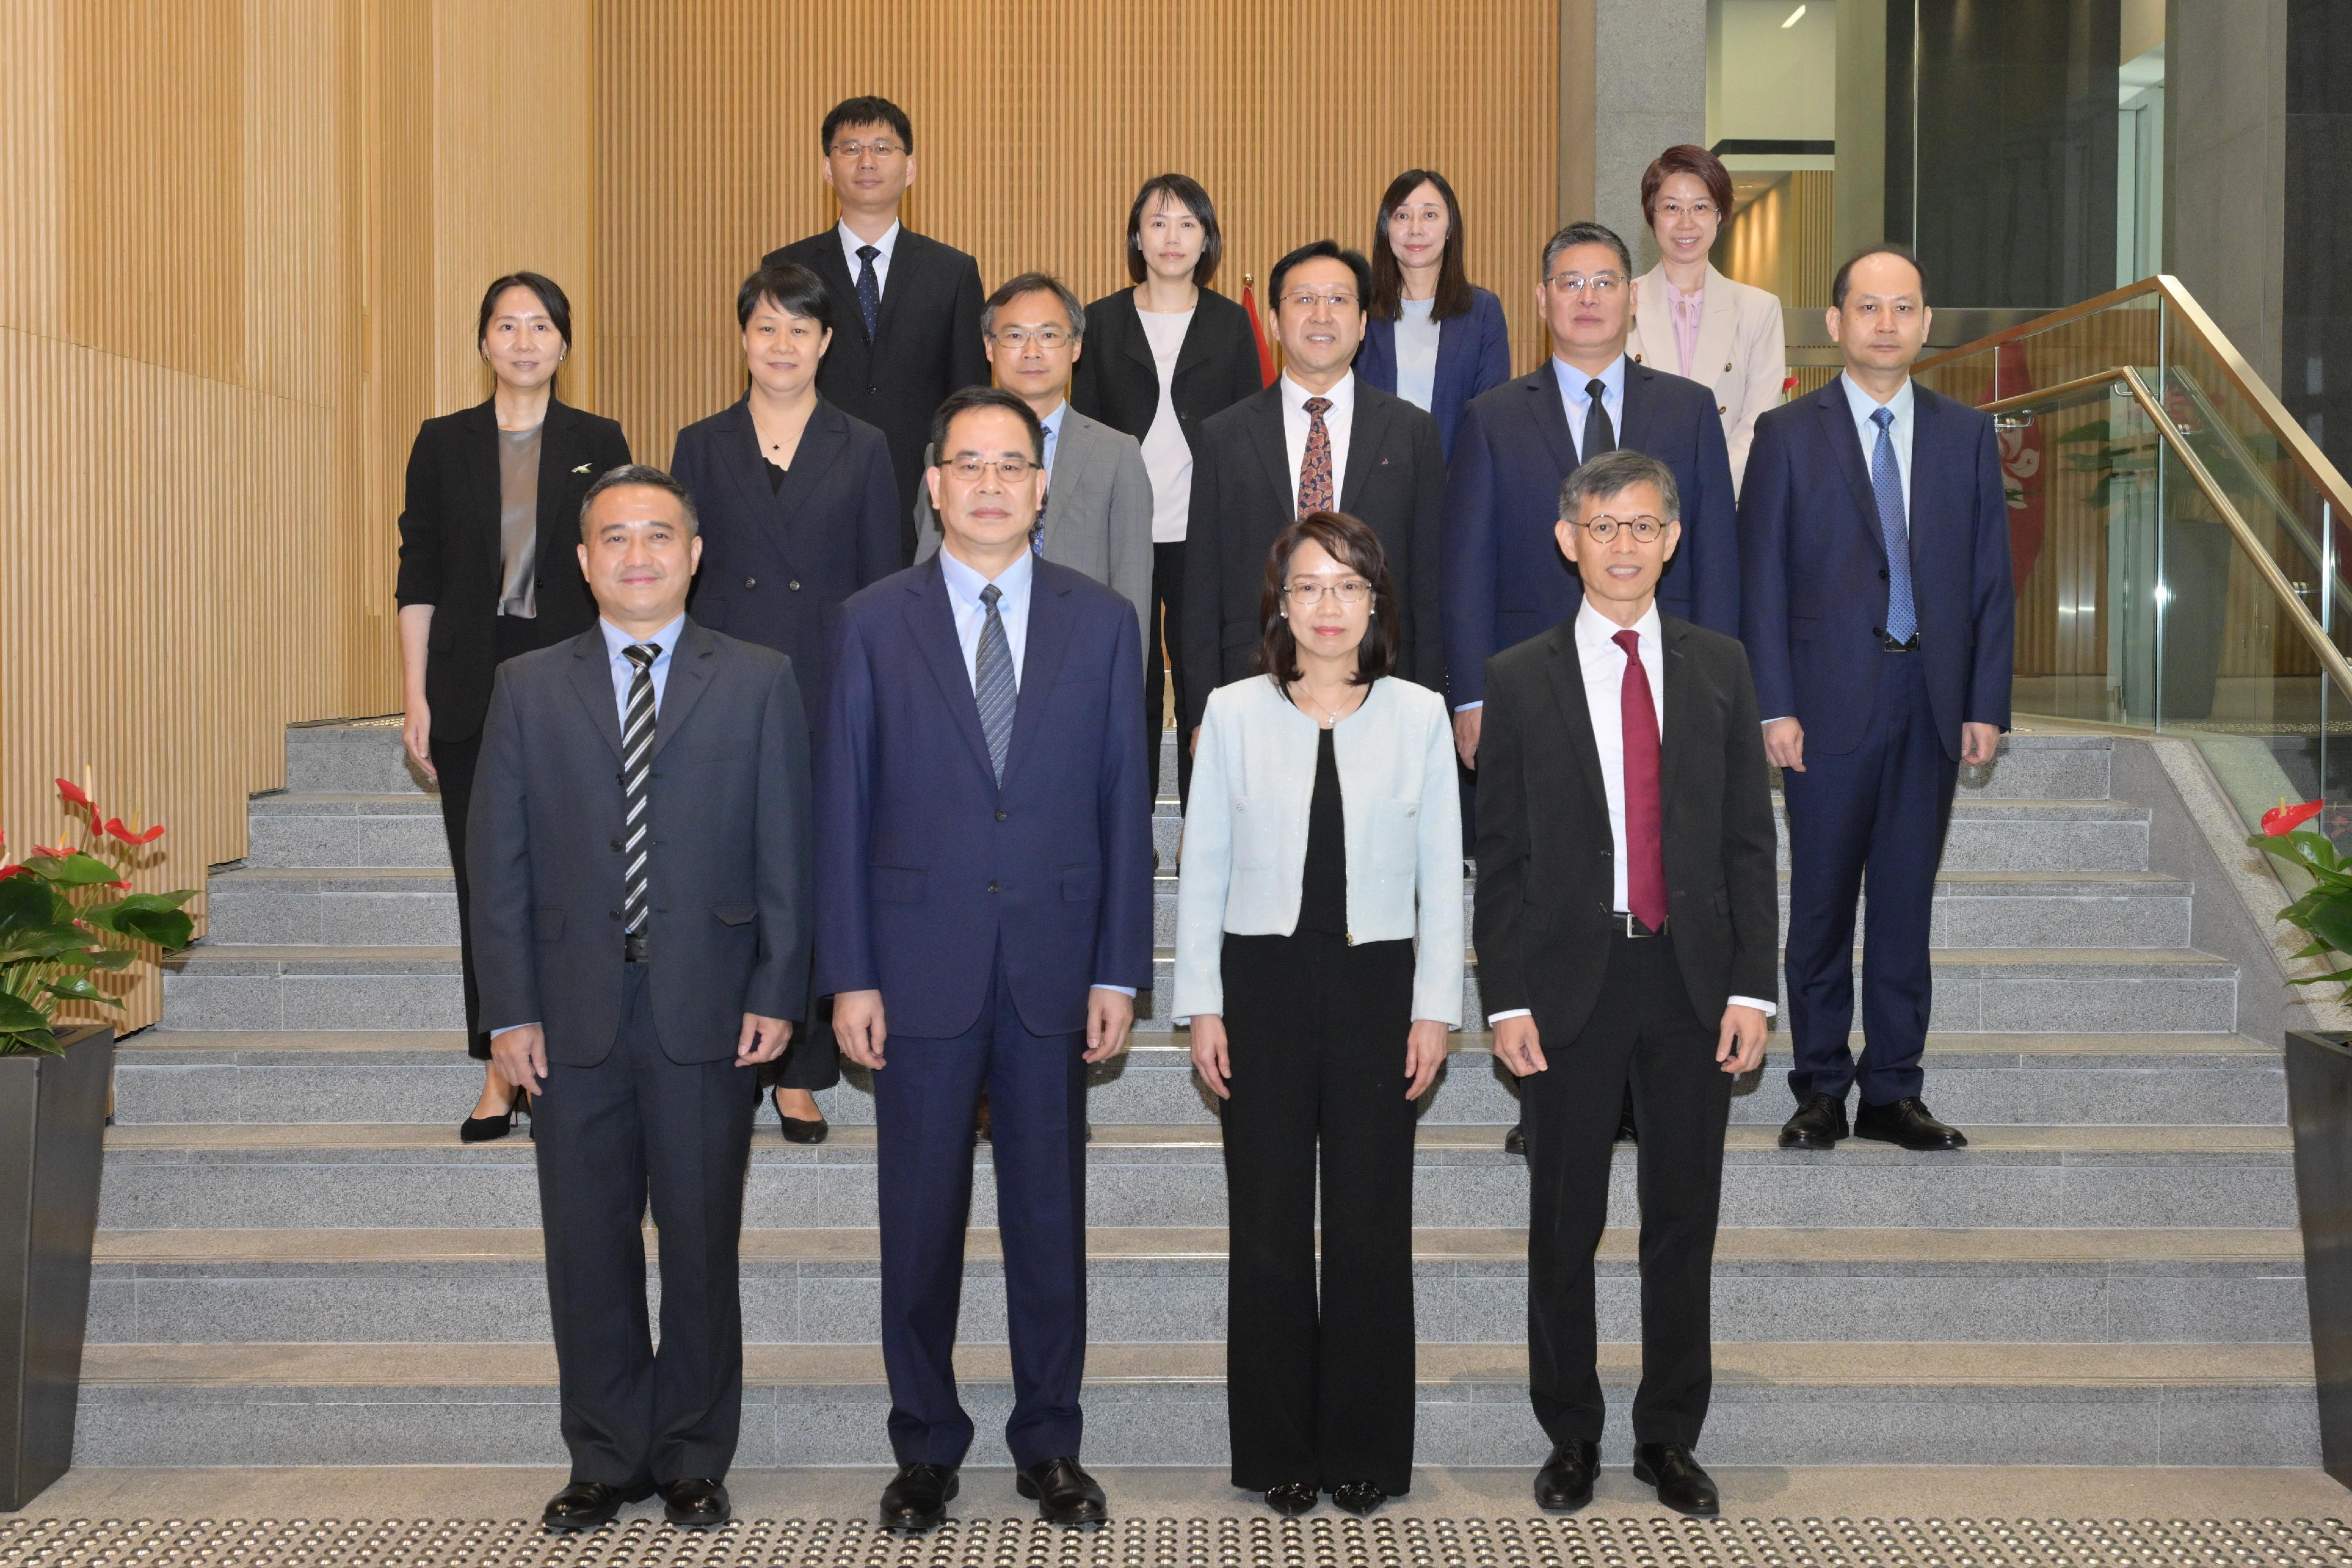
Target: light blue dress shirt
x=1417, y=337
x=1904, y=426
x=963, y=600
x=623, y=671
x=1053, y=423
x=1574, y=401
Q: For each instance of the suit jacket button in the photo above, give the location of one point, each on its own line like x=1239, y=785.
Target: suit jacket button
x=874, y=391
x=1727, y=364
x=613, y=913
x=1001, y=816
x=794, y=585
x=1723, y=408
x=617, y=846
x=1881, y=574
x=750, y=582
x=991, y=887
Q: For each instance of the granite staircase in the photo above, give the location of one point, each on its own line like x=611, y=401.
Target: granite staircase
x=300, y=1264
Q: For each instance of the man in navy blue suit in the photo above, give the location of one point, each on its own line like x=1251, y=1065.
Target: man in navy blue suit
x=1879, y=611
x=985, y=866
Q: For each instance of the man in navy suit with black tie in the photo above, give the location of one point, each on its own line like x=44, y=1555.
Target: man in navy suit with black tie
x=1878, y=612
x=985, y=873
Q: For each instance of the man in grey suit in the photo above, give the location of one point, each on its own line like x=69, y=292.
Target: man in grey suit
x=1097, y=515
x=640, y=849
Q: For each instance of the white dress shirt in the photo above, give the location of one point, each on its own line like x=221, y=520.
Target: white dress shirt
x=1574, y=400
x=963, y=600
x=1604, y=693
x=885, y=244
x=1904, y=426
x=1166, y=455
x=1337, y=421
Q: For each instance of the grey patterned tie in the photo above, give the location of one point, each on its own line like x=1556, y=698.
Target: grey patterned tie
x=992, y=685
x=636, y=769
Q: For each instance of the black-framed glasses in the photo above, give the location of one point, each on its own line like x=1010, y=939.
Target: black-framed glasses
x=1644, y=528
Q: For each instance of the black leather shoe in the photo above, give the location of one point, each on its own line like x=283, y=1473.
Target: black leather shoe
x=1064, y=1493
x=1359, y=1498
x=916, y=1497
x=487, y=1129
x=800, y=1129
x=1906, y=1121
x=584, y=1505
x=1819, y=1123
x=1681, y=1485
x=1292, y=1499
x=696, y=1504
x=1565, y=1482
x=1514, y=1142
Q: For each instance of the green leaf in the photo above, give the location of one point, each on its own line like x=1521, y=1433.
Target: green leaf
x=17, y=1015
x=39, y=947
x=27, y=903
x=73, y=869
x=79, y=990
x=146, y=917
x=2331, y=922
x=40, y=1042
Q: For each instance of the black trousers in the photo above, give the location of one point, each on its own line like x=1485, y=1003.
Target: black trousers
x=453, y=763
x=1316, y=1034
x=1643, y=1031
x=636, y=1125
x=1164, y=629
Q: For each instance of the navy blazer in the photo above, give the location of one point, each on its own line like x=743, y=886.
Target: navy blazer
x=928, y=867
x=1815, y=571
x=730, y=921
x=776, y=565
x=1474, y=355
x=1507, y=581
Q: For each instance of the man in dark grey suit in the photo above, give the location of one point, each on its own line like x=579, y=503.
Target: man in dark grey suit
x=640, y=848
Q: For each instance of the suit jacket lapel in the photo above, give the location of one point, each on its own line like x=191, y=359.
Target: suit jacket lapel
x=1633, y=427
x=484, y=480
x=1364, y=439
x=1550, y=418
x=1678, y=734
x=1715, y=324
x=556, y=450
x=1837, y=428
x=821, y=443
x=832, y=266
x=1137, y=346
x=1266, y=433
x=592, y=682
x=1041, y=662
x=691, y=665
x=930, y=621
x=907, y=271
x=1073, y=449
x=1566, y=669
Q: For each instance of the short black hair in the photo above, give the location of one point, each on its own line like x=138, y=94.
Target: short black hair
x=644, y=473
x=970, y=398
x=1322, y=250
x=865, y=111
x=1189, y=193
x=795, y=289
x=551, y=299
x=1612, y=473
x=1586, y=232
x=1013, y=288
x=1884, y=247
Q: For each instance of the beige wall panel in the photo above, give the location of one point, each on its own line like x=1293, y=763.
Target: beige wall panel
x=1035, y=121
x=31, y=296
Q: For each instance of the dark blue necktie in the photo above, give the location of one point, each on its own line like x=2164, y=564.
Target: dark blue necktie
x=992, y=685
x=869, y=290
x=1887, y=484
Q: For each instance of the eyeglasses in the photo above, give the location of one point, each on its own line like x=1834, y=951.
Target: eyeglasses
x=1011, y=470
x=1304, y=301
x=1306, y=592
x=1600, y=284
x=1645, y=528
x=855, y=150
x=1702, y=211
x=1021, y=337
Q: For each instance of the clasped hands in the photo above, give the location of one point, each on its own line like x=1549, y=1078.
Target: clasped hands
x=858, y=1026
x=1424, y=1053
x=520, y=1054
x=1739, y=1046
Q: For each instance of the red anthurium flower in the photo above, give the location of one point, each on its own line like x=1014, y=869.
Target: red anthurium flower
x=2285, y=819
x=53, y=854
x=8, y=871
x=73, y=792
x=114, y=826
x=123, y=885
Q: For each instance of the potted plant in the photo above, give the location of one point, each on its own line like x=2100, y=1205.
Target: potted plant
x=2319, y=1116
x=67, y=915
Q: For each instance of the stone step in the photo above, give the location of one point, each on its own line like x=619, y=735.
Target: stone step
x=1774, y=1403
x=233, y=986
x=339, y=907
x=360, y=831
x=362, y=757
x=1156, y=1285
x=168, y=1077
x=276, y=1176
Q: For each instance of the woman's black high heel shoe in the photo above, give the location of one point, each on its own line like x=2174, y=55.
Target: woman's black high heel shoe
x=798, y=1130
x=489, y=1129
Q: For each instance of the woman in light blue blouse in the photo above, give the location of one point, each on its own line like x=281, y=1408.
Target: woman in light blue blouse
x=1431, y=338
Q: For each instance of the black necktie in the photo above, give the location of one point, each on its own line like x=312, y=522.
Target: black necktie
x=869, y=290
x=636, y=769
x=1598, y=437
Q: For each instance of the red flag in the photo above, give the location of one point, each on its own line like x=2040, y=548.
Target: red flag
x=1257, y=330
x=2020, y=463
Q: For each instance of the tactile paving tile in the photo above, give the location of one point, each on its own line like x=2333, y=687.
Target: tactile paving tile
x=975, y=1543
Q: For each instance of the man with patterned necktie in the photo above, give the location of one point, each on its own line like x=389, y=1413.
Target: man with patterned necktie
x=985, y=870
x=909, y=306
x=1878, y=614
x=640, y=852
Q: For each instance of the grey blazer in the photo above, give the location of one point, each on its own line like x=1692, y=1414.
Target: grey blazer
x=1098, y=511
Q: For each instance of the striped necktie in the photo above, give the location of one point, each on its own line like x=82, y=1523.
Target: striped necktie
x=636, y=769
x=993, y=683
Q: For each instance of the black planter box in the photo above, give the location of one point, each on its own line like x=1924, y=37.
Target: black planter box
x=52, y=1149
x=2320, y=1114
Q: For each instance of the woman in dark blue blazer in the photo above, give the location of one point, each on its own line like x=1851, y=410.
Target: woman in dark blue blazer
x=798, y=510
x=1430, y=337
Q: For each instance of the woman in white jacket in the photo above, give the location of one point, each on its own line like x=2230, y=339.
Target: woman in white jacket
x=1319, y=956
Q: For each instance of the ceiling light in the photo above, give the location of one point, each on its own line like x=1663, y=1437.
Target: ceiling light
x=1795, y=17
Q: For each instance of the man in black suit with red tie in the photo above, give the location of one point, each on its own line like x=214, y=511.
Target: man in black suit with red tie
x=909, y=306
x=1627, y=920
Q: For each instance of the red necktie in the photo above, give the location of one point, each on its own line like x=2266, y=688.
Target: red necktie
x=1645, y=843
x=1315, y=464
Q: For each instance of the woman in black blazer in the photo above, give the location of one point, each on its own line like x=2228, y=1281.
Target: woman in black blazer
x=798, y=510
x=1160, y=358
x=488, y=568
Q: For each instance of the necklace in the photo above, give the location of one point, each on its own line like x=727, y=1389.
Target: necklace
x=1330, y=717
